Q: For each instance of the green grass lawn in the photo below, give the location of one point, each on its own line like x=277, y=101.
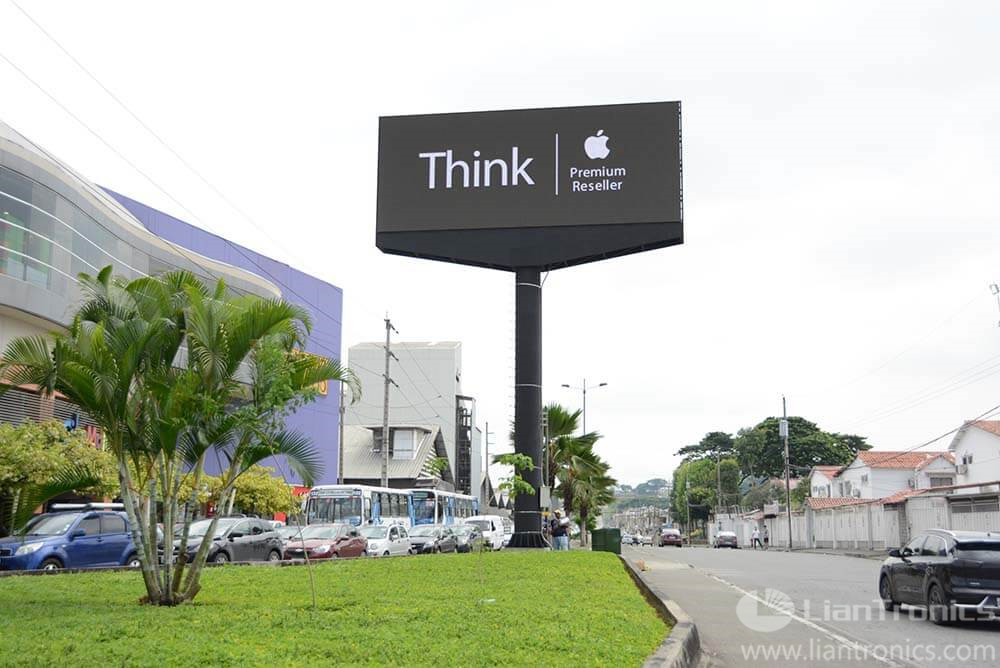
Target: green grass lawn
x=550, y=608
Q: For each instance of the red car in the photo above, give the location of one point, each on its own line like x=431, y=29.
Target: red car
x=327, y=541
x=671, y=537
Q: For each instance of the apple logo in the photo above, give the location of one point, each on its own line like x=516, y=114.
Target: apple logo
x=597, y=146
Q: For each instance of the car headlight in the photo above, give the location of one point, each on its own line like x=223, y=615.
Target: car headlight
x=28, y=548
x=322, y=549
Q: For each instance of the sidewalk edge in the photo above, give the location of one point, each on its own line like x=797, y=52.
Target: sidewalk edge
x=680, y=649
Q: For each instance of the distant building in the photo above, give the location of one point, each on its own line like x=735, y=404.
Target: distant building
x=428, y=392
x=411, y=454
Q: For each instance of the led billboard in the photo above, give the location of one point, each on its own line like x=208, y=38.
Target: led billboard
x=542, y=188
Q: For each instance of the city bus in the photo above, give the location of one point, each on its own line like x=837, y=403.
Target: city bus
x=359, y=505
x=432, y=506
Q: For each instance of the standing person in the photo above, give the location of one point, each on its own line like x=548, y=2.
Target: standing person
x=766, y=537
x=755, y=538
x=560, y=531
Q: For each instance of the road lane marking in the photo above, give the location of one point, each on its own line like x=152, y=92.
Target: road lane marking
x=843, y=640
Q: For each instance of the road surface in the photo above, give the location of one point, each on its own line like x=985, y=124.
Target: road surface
x=756, y=608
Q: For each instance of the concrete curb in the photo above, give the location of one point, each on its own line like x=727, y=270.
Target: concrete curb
x=680, y=649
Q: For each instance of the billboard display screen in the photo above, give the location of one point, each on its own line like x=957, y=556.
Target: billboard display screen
x=532, y=187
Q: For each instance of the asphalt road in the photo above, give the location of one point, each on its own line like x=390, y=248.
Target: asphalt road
x=756, y=608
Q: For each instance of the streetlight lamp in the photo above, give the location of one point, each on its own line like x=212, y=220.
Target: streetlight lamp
x=584, y=389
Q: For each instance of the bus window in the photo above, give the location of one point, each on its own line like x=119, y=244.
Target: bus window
x=423, y=508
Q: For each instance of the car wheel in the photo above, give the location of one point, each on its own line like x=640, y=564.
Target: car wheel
x=885, y=593
x=335, y=555
x=50, y=564
x=220, y=558
x=273, y=556
x=386, y=553
x=938, y=610
x=133, y=561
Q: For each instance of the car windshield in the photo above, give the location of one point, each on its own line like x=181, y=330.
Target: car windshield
x=485, y=525
x=464, y=530
x=319, y=532
x=424, y=531
x=50, y=525
x=374, y=532
x=675, y=532
x=201, y=527
x=289, y=532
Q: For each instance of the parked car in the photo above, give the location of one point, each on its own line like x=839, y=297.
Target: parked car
x=428, y=538
x=287, y=533
x=671, y=537
x=84, y=538
x=236, y=539
x=328, y=541
x=639, y=539
x=387, y=541
x=626, y=539
x=491, y=527
x=467, y=537
x=954, y=574
x=726, y=539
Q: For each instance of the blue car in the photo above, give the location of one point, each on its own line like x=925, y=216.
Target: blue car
x=70, y=539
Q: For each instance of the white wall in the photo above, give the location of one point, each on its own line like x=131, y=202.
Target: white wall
x=852, y=474
x=820, y=485
x=880, y=482
x=13, y=324
x=985, y=450
x=939, y=467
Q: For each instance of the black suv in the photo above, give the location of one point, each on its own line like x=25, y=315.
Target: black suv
x=954, y=574
x=236, y=539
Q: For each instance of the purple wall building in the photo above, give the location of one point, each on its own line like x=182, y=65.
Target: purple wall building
x=318, y=420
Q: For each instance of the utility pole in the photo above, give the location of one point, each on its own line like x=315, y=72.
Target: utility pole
x=340, y=466
x=783, y=429
x=385, y=406
x=687, y=504
x=718, y=480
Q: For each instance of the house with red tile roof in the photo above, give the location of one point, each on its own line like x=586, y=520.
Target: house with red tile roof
x=821, y=479
x=976, y=451
x=875, y=474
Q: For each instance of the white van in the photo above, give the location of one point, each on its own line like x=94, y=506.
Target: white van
x=492, y=528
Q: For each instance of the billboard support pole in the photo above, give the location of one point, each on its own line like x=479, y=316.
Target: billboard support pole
x=528, y=402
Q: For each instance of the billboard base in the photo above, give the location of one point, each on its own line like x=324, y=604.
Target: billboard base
x=531, y=539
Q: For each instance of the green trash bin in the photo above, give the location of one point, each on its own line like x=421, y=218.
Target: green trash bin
x=606, y=540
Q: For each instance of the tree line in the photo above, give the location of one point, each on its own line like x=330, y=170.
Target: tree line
x=741, y=468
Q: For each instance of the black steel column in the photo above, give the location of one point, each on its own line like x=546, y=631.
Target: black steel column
x=528, y=403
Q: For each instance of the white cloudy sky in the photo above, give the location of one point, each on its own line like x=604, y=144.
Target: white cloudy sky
x=840, y=174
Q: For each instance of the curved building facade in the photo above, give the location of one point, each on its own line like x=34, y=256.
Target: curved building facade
x=55, y=225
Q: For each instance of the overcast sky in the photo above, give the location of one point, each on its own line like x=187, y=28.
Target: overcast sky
x=840, y=180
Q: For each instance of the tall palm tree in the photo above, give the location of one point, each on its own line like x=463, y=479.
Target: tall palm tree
x=171, y=371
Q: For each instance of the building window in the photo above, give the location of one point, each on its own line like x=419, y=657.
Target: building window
x=403, y=445
x=941, y=481
x=864, y=479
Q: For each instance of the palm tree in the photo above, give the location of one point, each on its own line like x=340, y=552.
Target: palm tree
x=172, y=371
x=591, y=492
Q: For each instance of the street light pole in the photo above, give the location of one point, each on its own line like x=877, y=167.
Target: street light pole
x=584, y=389
x=783, y=428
